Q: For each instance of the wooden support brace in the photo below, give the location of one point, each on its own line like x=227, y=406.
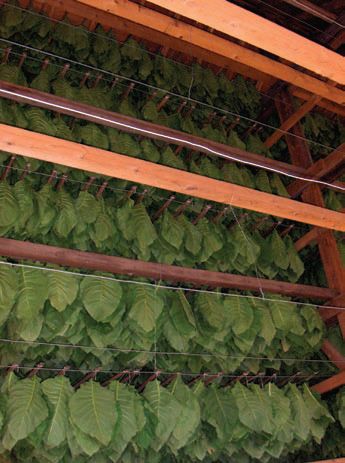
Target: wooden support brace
x=330, y=384
x=292, y=120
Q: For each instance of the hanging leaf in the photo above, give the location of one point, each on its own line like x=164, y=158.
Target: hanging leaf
x=92, y=410
x=58, y=391
x=100, y=297
x=26, y=409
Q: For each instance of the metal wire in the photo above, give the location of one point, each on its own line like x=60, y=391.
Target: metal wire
x=161, y=372
x=173, y=288
x=155, y=353
x=155, y=88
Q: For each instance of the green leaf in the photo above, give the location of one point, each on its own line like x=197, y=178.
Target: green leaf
x=58, y=391
x=9, y=211
x=189, y=417
x=26, y=408
x=146, y=307
x=8, y=291
x=166, y=409
x=239, y=313
x=172, y=230
x=33, y=292
x=100, y=297
x=63, y=290
x=92, y=410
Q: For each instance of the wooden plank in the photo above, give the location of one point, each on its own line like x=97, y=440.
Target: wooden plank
x=333, y=354
x=132, y=125
x=241, y=24
x=292, y=120
x=313, y=9
x=330, y=384
x=189, y=39
x=23, y=142
x=118, y=265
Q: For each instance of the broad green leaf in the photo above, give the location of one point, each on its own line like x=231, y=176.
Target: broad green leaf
x=189, y=417
x=63, y=290
x=239, y=313
x=92, y=410
x=26, y=408
x=33, y=292
x=8, y=291
x=9, y=211
x=100, y=297
x=146, y=307
x=166, y=409
x=58, y=391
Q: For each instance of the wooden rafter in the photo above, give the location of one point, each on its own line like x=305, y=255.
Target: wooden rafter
x=333, y=460
x=329, y=252
x=318, y=169
x=152, y=25
x=241, y=24
x=119, y=265
x=330, y=384
x=23, y=142
x=292, y=120
x=90, y=17
x=309, y=237
x=333, y=354
x=313, y=9
x=327, y=105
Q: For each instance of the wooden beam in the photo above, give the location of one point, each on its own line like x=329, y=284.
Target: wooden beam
x=318, y=170
x=307, y=239
x=132, y=125
x=310, y=237
x=122, y=24
x=333, y=354
x=313, y=9
x=333, y=460
x=188, y=38
x=327, y=105
x=292, y=120
x=46, y=148
x=300, y=155
x=241, y=24
x=24, y=250
x=330, y=384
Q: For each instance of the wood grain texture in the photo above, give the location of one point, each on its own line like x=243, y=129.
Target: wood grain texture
x=199, y=43
x=118, y=265
x=241, y=24
x=46, y=148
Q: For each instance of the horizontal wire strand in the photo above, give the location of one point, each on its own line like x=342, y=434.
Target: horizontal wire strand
x=162, y=372
x=153, y=87
x=173, y=288
x=179, y=140
x=216, y=355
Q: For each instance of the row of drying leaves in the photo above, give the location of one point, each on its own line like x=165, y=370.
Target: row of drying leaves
x=93, y=313
x=117, y=225
x=50, y=422
x=132, y=61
